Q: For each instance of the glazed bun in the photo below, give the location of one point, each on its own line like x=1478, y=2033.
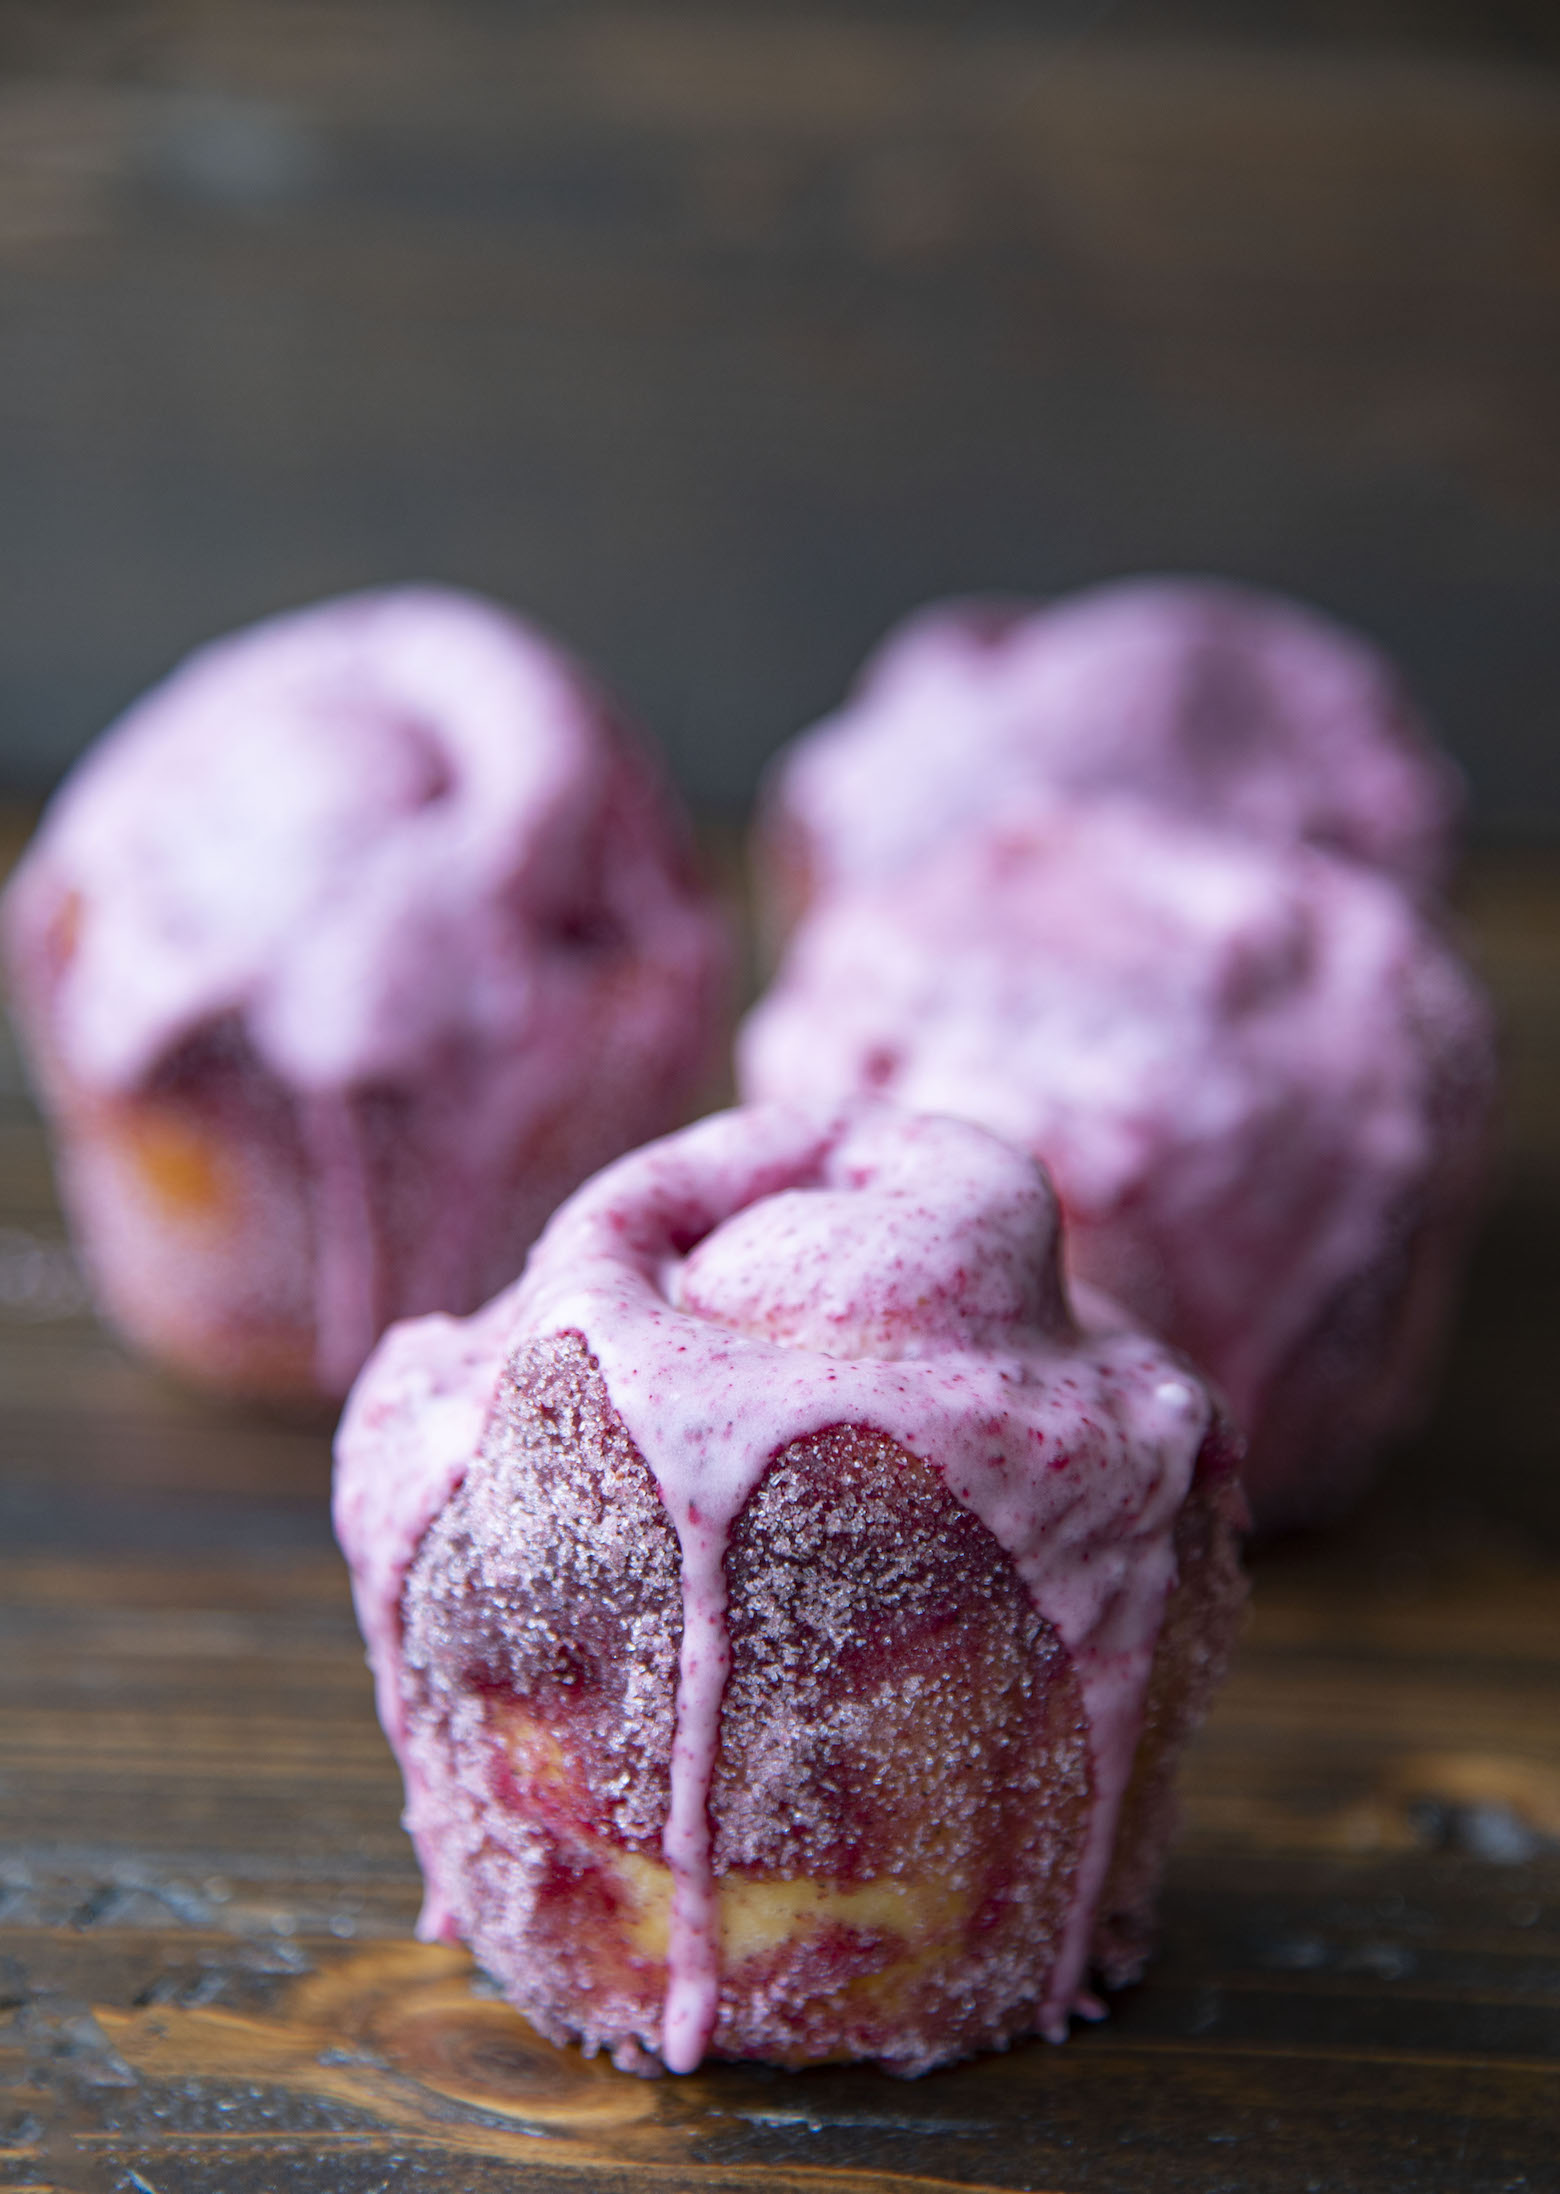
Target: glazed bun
x=787, y=1605
x=1206, y=701
x=341, y=958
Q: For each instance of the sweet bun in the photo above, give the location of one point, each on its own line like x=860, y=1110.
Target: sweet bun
x=787, y=1606
x=341, y=958
x=1213, y=702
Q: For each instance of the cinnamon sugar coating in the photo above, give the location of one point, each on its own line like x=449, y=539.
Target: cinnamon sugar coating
x=768, y=1597
x=902, y=1783
x=1201, y=1621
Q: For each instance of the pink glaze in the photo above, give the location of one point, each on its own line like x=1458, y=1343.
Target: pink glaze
x=1256, y=1076
x=759, y=1278
x=1207, y=699
x=401, y=841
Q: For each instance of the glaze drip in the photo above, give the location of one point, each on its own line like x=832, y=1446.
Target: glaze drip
x=1074, y=1443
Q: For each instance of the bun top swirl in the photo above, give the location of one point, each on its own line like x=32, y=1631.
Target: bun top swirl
x=365, y=828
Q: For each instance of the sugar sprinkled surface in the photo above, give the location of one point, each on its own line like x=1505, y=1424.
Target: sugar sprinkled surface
x=1072, y=1439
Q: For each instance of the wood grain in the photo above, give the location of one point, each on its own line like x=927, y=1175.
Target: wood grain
x=207, y=1977
x=207, y=1982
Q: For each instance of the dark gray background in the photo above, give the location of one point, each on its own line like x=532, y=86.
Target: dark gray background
x=717, y=336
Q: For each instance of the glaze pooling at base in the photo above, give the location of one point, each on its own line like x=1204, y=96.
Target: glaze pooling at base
x=907, y=1283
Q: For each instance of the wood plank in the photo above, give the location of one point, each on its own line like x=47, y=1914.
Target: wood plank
x=206, y=1974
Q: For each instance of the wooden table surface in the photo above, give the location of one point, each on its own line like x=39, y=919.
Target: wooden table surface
x=207, y=1977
